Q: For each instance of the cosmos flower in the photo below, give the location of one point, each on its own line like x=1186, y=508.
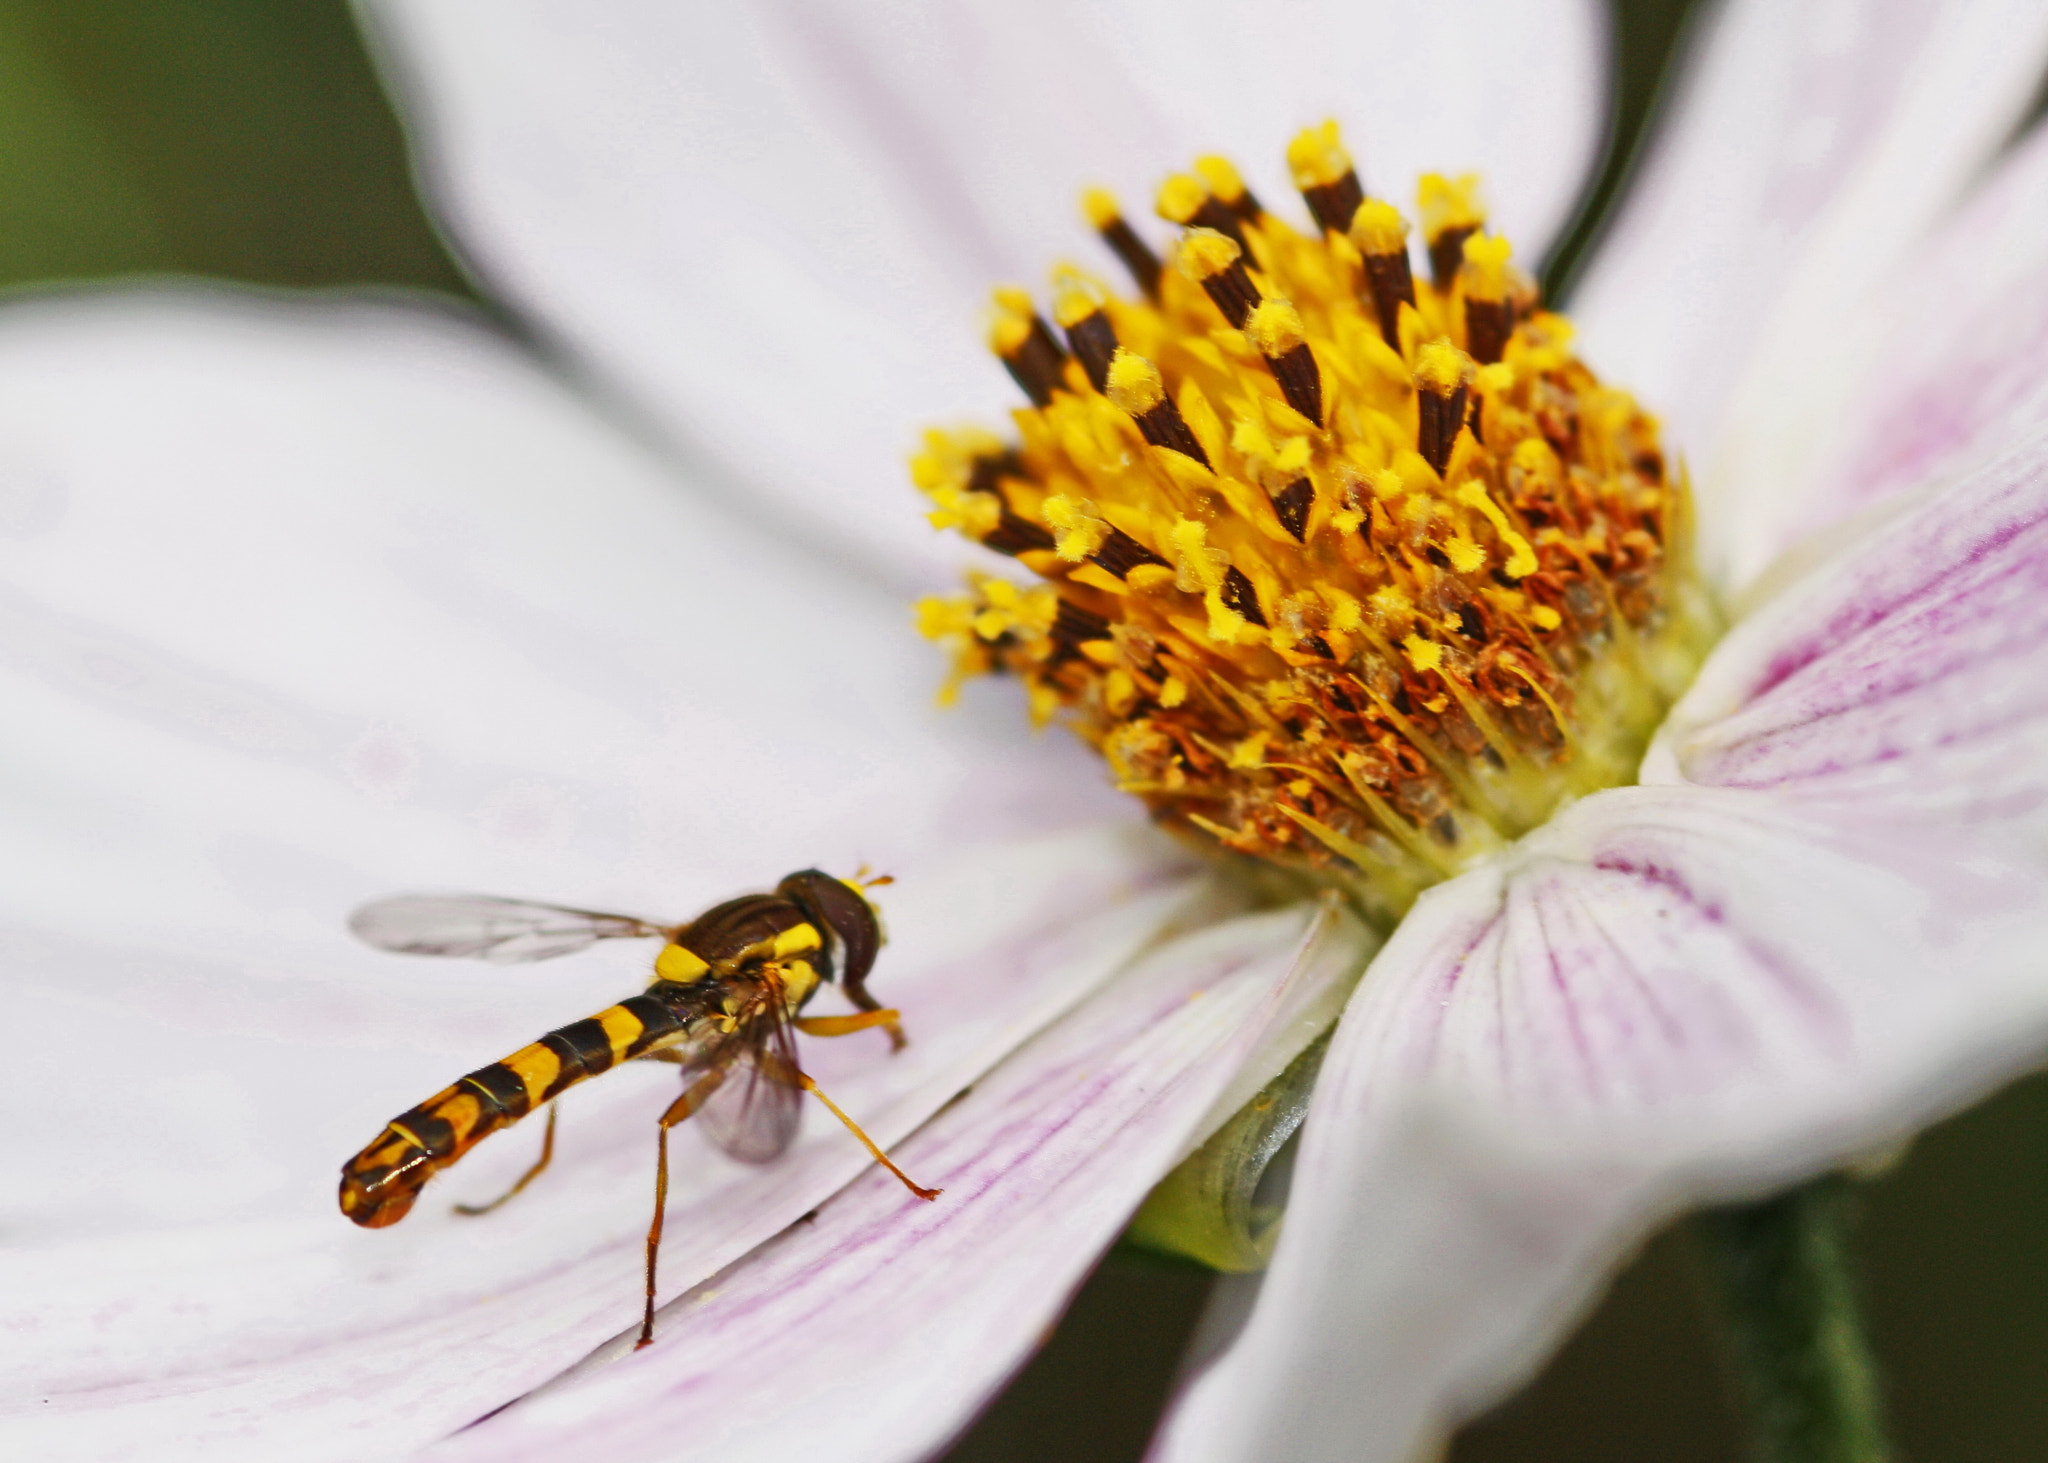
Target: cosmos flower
x=313, y=605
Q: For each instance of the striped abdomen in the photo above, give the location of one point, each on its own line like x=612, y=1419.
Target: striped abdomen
x=379, y=1184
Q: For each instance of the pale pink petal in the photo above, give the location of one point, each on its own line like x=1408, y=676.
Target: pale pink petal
x=308, y=605
x=1821, y=923
x=1813, y=148
x=774, y=226
x=1963, y=368
x=1666, y=995
x=1906, y=679
x=900, y=1319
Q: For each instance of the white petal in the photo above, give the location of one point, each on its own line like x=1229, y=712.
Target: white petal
x=1907, y=679
x=293, y=1334
x=1666, y=995
x=776, y=227
x=1819, y=925
x=1963, y=369
x=1813, y=148
x=901, y=1319
x=304, y=606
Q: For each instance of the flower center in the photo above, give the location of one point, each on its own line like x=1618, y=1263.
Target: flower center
x=1354, y=573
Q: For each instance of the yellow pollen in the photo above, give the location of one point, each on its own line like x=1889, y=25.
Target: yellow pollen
x=1204, y=253
x=1100, y=207
x=1181, y=198
x=1007, y=333
x=1424, y=655
x=1080, y=532
x=1378, y=228
x=1074, y=297
x=1485, y=275
x=1135, y=385
x=1353, y=575
x=1220, y=173
x=1449, y=203
x=1317, y=157
x=1442, y=367
x=1275, y=328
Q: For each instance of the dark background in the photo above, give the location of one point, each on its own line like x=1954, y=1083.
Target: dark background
x=248, y=139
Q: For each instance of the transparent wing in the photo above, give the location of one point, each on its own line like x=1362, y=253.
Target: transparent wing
x=754, y=1114
x=507, y=931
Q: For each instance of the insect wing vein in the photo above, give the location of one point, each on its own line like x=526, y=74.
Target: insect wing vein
x=754, y=1115
x=504, y=931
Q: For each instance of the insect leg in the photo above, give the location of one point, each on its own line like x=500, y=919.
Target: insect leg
x=693, y=1098
x=547, y=1153
x=847, y=1025
x=787, y=1073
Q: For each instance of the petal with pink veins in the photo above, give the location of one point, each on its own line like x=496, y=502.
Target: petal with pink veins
x=1666, y=995
x=1812, y=149
x=307, y=605
x=1819, y=925
x=873, y=1330
x=1907, y=680
x=774, y=227
x=1962, y=372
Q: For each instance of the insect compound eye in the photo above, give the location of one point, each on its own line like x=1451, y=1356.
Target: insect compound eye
x=835, y=906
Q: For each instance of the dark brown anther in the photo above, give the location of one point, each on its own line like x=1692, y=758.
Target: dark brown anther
x=1136, y=388
x=1214, y=215
x=987, y=473
x=1093, y=340
x=1013, y=536
x=1188, y=202
x=1120, y=554
x=1072, y=625
x=1300, y=382
x=1234, y=293
x=1164, y=426
x=1106, y=217
x=1438, y=420
x=1316, y=645
x=1036, y=363
x=1292, y=503
x=1447, y=252
x=1488, y=324
x=1392, y=282
x=1227, y=187
x=1239, y=595
x=1333, y=204
x=1135, y=253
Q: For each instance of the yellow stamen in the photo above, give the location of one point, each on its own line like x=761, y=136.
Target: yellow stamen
x=1134, y=383
x=1317, y=157
x=1220, y=173
x=1100, y=206
x=1378, y=228
x=1181, y=198
x=1357, y=578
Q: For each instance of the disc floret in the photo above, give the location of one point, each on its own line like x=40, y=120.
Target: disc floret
x=1352, y=574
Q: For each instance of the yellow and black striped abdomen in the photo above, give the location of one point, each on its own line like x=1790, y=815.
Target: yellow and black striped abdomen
x=379, y=1185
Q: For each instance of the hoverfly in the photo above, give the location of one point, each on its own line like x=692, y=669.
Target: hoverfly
x=723, y=1006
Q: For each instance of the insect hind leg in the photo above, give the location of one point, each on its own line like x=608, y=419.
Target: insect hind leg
x=694, y=1097
x=547, y=1154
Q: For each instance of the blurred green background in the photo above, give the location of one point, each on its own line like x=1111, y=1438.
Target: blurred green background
x=248, y=140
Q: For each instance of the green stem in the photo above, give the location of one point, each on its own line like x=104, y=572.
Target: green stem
x=1780, y=1270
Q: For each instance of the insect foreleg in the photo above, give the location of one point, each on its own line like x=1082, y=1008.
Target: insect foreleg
x=693, y=1098
x=547, y=1154
x=848, y=1025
